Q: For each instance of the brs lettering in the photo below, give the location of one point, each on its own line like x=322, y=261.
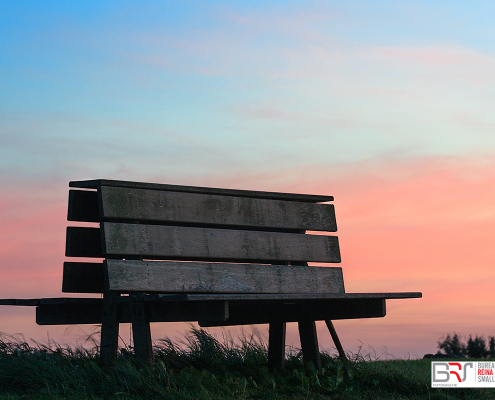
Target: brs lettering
x=439, y=371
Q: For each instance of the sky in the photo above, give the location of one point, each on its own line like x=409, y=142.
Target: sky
x=385, y=105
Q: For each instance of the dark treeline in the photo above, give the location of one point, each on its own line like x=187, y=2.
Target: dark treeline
x=473, y=348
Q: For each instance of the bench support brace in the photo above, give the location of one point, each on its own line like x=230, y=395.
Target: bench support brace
x=336, y=340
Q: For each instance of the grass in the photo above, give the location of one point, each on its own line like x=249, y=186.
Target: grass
x=202, y=367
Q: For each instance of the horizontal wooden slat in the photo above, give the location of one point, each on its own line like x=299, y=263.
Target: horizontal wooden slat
x=83, y=313
x=82, y=277
x=53, y=300
x=94, y=184
x=83, y=206
x=217, y=313
x=289, y=296
x=214, y=210
x=83, y=242
x=262, y=312
x=69, y=314
x=197, y=298
x=186, y=243
x=194, y=277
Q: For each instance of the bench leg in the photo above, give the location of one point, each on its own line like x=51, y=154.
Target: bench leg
x=276, y=345
x=141, y=332
x=109, y=330
x=336, y=340
x=309, y=343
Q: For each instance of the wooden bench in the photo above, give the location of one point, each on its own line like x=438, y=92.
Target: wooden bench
x=217, y=256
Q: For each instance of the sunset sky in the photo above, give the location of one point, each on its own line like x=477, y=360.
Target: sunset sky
x=386, y=105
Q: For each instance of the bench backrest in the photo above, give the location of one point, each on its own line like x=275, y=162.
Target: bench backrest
x=168, y=238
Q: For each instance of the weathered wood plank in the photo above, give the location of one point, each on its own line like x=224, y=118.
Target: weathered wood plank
x=197, y=298
x=8, y=302
x=69, y=314
x=186, y=243
x=295, y=296
x=215, y=313
x=91, y=313
x=83, y=242
x=214, y=210
x=56, y=300
x=80, y=277
x=264, y=312
x=189, y=311
x=83, y=206
x=195, y=277
x=94, y=184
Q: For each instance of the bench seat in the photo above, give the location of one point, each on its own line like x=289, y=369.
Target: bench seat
x=216, y=309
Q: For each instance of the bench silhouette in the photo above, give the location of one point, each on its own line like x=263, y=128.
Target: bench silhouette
x=217, y=256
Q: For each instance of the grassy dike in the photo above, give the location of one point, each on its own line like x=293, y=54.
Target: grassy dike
x=204, y=368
